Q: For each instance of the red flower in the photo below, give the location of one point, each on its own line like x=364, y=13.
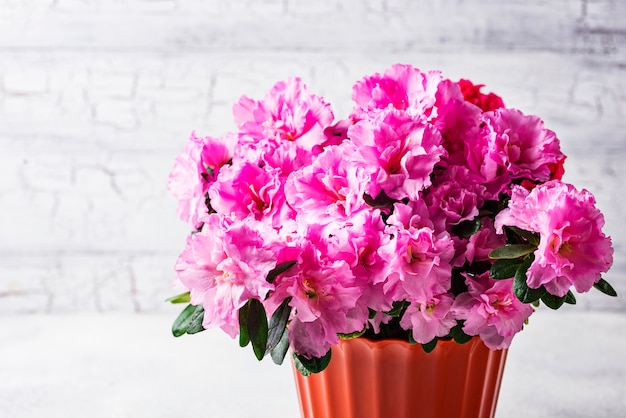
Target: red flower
x=471, y=93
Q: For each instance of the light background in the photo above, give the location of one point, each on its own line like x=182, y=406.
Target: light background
x=98, y=97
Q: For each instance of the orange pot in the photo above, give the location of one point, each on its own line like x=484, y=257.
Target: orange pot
x=394, y=379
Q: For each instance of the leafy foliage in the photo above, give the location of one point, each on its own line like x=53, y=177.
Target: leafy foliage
x=189, y=321
x=182, y=298
x=312, y=365
x=604, y=287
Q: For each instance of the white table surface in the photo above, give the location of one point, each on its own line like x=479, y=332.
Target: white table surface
x=569, y=363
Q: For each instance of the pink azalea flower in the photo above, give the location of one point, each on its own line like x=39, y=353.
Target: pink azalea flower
x=402, y=152
x=335, y=134
x=286, y=158
x=452, y=199
x=456, y=119
x=491, y=310
x=357, y=241
x=225, y=265
x=245, y=189
x=289, y=112
x=483, y=242
x=324, y=297
x=330, y=188
x=429, y=319
x=401, y=86
x=573, y=250
x=195, y=169
x=486, y=162
x=522, y=144
x=311, y=339
x=283, y=157
x=413, y=215
x=419, y=261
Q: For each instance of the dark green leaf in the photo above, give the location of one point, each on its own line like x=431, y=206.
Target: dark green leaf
x=430, y=346
x=531, y=237
x=411, y=339
x=182, y=322
x=570, y=298
x=352, y=335
x=315, y=364
x=182, y=298
x=604, y=287
x=278, y=324
x=552, y=301
x=372, y=313
x=299, y=366
x=195, y=323
x=505, y=268
x=466, y=229
x=397, y=308
x=512, y=251
x=524, y=293
x=279, y=269
x=460, y=337
x=257, y=327
x=244, y=336
x=279, y=352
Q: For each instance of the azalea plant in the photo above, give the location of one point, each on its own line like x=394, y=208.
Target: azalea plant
x=432, y=211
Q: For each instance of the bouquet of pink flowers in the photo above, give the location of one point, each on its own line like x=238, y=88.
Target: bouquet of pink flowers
x=432, y=211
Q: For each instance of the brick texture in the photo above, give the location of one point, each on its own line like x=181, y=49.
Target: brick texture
x=98, y=97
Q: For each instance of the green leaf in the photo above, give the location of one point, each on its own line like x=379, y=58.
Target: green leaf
x=257, y=327
x=372, y=313
x=279, y=352
x=531, y=237
x=278, y=270
x=430, y=346
x=195, y=323
x=552, y=301
x=299, y=366
x=314, y=364
x=504, y=269
x=604, y=287
x=244, y=336
x=352, y=335
x=398, y=307
x=512, y=251
x=570, y=298
x=278, y=324
x=466, y=229
x=182, y=298
x=460, y=337
x=182, y=322
x=524, y=293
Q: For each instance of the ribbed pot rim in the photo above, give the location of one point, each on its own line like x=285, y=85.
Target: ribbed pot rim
x=397, y=341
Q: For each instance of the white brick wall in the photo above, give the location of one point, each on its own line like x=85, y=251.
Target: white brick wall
x=98, y=97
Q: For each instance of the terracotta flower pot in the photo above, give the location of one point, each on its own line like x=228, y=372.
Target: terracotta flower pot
x=394, y=379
